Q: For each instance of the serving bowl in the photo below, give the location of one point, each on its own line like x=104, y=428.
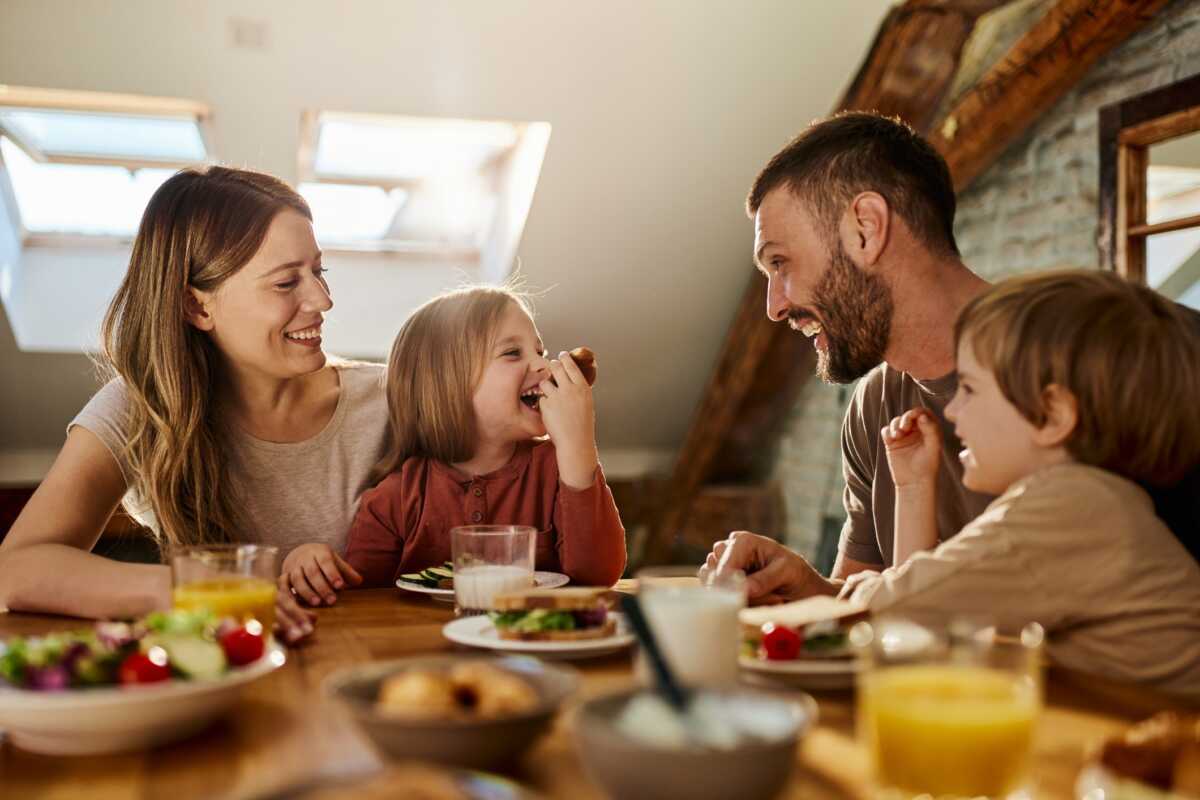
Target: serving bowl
x=751, y=769
x=119, y=719
x=481, y=743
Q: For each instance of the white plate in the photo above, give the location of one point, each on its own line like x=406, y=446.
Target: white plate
x=121, y=719
x=814, y=673
x=543, y=580
x=478, y=631
x=1096, y=782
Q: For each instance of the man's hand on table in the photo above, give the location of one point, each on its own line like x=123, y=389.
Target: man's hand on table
x=774, y=573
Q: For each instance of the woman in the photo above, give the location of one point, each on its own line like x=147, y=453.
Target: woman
x=224, y=421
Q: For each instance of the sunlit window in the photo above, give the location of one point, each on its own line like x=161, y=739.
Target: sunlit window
x=381, y=182
x=86, y=163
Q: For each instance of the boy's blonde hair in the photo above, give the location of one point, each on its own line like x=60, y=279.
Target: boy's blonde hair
x=436, y=362
x=1129, y=356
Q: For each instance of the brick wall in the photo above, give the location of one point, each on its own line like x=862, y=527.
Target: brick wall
x=1035, y=209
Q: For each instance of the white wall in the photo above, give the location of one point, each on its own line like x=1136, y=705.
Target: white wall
x=662, y=112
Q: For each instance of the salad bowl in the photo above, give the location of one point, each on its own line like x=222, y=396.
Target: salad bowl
x=61, y=708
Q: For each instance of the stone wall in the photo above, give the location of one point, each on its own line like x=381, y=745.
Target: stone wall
x=1035, y=209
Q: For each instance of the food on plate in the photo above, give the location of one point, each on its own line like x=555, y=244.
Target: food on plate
x=470, y=690
x=812, y=628
x=1163, y=751
x=553, y=615
x=193, y=645
x=440, y=577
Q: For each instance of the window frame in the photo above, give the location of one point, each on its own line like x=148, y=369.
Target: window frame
x=306, y=151
x=99, y=102
x=1127, y=131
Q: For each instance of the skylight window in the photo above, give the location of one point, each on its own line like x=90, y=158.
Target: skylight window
x=86, y=163
x=415, y=184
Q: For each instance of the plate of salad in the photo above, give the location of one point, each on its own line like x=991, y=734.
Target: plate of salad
x=123, y=686
x=438, y=582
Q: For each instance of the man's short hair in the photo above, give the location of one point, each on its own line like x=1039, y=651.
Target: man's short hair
x=1130, y=357
x=836, y=159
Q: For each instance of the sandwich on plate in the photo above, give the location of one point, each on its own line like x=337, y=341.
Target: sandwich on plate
x=815, y=627
x=553, y=615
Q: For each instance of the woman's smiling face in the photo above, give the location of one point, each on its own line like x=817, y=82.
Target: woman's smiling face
x=266, y=318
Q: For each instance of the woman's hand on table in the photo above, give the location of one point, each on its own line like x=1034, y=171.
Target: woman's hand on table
x=315, y=574
x=292, y=623
x=774, y=573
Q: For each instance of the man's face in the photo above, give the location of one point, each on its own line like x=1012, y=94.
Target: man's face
x=846, y=311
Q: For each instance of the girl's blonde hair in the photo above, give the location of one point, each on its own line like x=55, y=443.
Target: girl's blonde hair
x=436, y=362
x=199, y=228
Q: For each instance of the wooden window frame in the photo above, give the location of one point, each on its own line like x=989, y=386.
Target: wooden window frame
x=1127, y=131
x=100, y=102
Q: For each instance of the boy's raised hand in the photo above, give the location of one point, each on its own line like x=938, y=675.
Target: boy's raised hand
x=570, y=418
x=315, y=573
x=913, y=442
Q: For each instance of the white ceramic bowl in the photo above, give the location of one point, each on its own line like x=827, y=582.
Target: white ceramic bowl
x=124, y=718
x=496, y=743
x=754, y=769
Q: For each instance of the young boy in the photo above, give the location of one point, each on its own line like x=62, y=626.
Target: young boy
x=1072, y=386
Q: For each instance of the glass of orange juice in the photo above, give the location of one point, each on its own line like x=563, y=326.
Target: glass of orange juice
x=949, y=715
x=234, y=580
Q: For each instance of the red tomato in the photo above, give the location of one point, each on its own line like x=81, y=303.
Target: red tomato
x=243, y=645
x=150, y=667
x=780, y=643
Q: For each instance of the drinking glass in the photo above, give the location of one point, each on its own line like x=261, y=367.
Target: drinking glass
x=949, y=714
x=694, y=622
x=231, y=580
x=490, y=560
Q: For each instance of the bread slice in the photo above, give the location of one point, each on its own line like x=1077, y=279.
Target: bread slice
x=599, y=632
x=799, y=613
x=570, y=598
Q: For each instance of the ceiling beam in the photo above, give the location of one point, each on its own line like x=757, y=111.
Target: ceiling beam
x=1047, y=61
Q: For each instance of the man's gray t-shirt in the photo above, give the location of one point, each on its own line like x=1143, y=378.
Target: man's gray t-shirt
x=870, y=495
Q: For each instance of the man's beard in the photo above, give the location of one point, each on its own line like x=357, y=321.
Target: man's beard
x=855, y=309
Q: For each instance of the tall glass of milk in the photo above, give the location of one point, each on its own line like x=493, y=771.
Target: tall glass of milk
x=490, y=560
x=695, y=623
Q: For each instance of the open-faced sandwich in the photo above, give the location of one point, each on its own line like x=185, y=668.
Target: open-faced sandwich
x=1161, y=752
x=552, y=615
x=815, y=627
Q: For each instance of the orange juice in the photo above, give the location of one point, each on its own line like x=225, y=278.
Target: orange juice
x=242, y=598
x=949, y=730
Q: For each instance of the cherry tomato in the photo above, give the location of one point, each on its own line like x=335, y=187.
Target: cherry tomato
x=780, y=643
x=244, y=645
x=148, y=667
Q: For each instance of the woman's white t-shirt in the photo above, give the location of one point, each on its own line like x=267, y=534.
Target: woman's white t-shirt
x=292, y=493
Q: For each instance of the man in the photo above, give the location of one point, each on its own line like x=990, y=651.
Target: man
x=854, y=234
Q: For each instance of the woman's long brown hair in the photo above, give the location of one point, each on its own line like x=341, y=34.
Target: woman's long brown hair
x=199, y=228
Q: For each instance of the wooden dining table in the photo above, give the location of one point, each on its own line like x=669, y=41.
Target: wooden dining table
x=285, y=734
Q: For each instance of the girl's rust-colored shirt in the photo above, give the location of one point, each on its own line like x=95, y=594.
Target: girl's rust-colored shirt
x=403, y=524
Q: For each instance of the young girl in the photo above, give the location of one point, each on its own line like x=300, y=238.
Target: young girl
x=1072, y=386
x=470, y=400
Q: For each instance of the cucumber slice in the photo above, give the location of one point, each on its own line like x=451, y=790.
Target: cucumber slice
x=413, y=577
x=440, y=572
x=190, y=655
